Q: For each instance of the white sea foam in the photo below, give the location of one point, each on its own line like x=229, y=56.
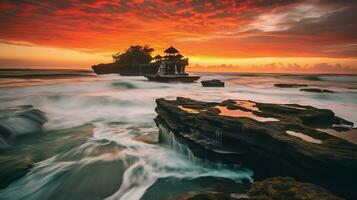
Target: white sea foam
x=124, y=110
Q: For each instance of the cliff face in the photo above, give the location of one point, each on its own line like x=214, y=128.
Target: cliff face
x=126, y=70
x=271, y=139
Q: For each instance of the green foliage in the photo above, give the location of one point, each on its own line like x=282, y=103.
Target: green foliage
x=116, y=57
x=134, y=55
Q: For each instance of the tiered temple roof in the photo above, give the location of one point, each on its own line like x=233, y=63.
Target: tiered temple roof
x=171, y=50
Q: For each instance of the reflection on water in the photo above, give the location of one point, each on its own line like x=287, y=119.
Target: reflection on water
x=294, y=107
x=189, y=110
x=119, y=158
x=304, y=137
x=240, y=113
x=248, y=105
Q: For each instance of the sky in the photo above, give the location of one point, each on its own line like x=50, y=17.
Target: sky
x=314, y=36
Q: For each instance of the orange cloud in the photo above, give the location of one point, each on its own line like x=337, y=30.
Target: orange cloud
x=224, y=29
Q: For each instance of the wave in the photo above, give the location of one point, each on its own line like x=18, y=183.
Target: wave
x=44, y=73
x=312, y=78
x=49, y=76
x=113, y=163
x=352, y=79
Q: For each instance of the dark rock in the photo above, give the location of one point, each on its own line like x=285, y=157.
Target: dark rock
x=288, y=188
x=126, y=70
x=212, y=83
x=17, y=161
x=317, y=90
x=271, y=139
x=183, y=78
x=13, y=167
x=18, y=121
x=289, y=85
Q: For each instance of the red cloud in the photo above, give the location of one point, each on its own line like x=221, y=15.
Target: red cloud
x=216, y=28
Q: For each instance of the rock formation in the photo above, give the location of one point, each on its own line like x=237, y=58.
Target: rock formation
x=316, y=90
x=212, y=83
x=17, y=121
x=271, y=139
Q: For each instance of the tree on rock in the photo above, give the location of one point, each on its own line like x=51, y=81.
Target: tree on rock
x=134, y=55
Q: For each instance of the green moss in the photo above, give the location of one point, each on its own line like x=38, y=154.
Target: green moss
x=284, y=188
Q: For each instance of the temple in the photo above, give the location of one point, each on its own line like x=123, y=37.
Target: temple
x=173, y=63
x=171, y=68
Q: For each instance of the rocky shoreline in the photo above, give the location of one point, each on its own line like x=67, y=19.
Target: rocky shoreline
x=271, y=139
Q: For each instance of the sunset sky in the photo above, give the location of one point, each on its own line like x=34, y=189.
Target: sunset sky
x=314, y=36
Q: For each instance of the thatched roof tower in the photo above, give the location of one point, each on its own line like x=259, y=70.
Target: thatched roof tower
x=171, y=50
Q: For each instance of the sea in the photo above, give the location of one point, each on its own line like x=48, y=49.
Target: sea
x=100, y=140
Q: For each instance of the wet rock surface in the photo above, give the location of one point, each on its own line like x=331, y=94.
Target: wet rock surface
x=236, y=135
x=288, y=188
x=270, y=188
x=195, y=188
x=316, y=90
x=18, y=121
x=212, y=83
x=18, y=160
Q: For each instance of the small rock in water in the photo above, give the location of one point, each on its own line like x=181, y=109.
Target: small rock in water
x=19, y=120
x=212, y=83
x=316, y=90
x=289, y=85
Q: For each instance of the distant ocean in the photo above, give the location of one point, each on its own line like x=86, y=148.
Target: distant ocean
x=110, y=114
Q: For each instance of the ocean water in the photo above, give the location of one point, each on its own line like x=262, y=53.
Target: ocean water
x=100, y=138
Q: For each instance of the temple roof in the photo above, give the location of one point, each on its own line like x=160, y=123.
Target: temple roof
x=171, y=50
x=157, y=56
x=179, y=56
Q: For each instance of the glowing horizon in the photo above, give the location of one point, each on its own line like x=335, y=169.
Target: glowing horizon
x=250, y=36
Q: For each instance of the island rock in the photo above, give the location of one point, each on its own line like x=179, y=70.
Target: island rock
x=212, y=83
x=126, y=70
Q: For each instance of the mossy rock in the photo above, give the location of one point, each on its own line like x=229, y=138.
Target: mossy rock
x=279, y=188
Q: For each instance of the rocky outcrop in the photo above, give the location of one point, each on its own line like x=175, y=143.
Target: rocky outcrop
x=289, y=85
x=271, y=139
x=17, y=161
x=288, y=188
x=212, y=83
x=316, y=90
x=272, y=188
x=125, y=70
x=17, y=121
